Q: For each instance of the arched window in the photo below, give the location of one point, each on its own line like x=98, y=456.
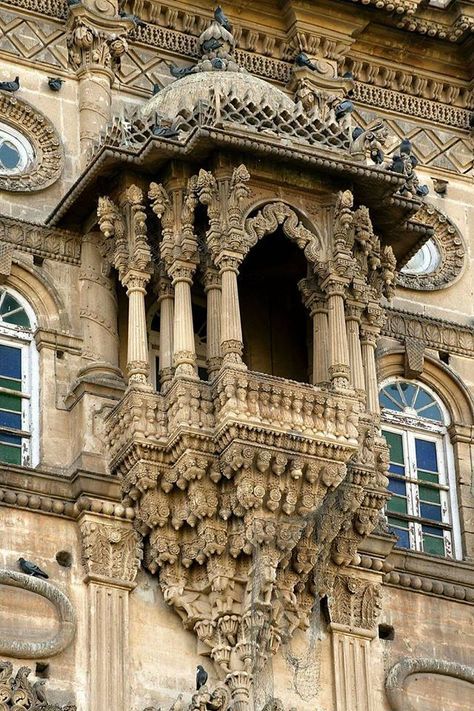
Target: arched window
x=18, y=387
x=423, y=509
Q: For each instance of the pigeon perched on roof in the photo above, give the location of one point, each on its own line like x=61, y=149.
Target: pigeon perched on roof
x=55, y=83
x=73, y=2
x=405, y=146
x=134, y=18
x=164, y=131
x=358, y=131
x=302, y=60
x=201, y=677
x=211, y=45
x=10, y=86
x=31, y=569
x=180, y=72
x=343, y=109
x=156, y=89
x=222, y=19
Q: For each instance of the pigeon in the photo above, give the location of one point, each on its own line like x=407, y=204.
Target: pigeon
x=10, y=86
x=156, y=89
x=217, y=63
x=164, y=131
x=134, y=18
x=180, y=72
x=348, y=75
x=31, y=569
x=358, y=131
x=344, y=108
x=211, y=45
x=222, y=19
x=398, y=166
x=55, y=83
x=73, y=2
x=302, y=60
x=38, y=688
x=201, y=677
x=422, y=190
x=405, y=146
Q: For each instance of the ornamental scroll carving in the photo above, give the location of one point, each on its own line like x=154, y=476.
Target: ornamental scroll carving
x=17, y=692
x=450, y=244
x=47, y=161
x=110, y=551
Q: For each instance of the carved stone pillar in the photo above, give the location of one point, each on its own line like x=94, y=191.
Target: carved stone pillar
x=369, y=344
x=354, y=606
x=212, y=283
x=353, y=314
x=98, y=311
x=231, y=328
x=184, y=349
x=338, y=347
x=316, y=304
x=138, y=366
x=96, y=42
x=166, y=304
x=111, y=555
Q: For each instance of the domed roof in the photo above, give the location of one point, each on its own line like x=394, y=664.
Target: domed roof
x=207, y=86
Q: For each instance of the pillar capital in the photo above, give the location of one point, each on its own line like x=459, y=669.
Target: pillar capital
x=111, y=551
x=229, y=261
x=181, y=271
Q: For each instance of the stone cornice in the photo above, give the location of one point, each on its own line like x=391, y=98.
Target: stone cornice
x=435, y=333
x=46, y=242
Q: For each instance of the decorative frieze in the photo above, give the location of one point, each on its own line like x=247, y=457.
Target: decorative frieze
x=435, y=333
x=47, y=242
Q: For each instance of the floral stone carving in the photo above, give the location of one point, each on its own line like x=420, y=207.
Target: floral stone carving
x=17, y=692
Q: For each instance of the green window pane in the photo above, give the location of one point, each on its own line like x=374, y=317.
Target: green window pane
x=395, y=444
x=397, y=505
x=428, y=476
x=10, y=402
x=10, y=384
x=429, y=494
x=433, y=545
x=10, y=455
x=399, y=522
x=13, y=312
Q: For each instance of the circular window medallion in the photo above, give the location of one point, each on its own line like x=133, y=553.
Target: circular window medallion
x=31, y=156
x=439, y=262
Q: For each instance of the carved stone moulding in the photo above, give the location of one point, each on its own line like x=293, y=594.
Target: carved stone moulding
x=46, y=164
x=450, y=245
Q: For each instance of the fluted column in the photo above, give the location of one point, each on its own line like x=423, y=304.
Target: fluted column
x=138, y=366
x=231, y=328
x=338, y=346
x=166, y=305
x=111, y=554
x=315, y=302
x=369, y=344
x=184, y=350
x=212, y=283
x=353, y=314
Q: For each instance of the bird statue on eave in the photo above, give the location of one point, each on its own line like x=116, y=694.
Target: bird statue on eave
x=201, y=676
x=31, y=569
x=10, y=86
x=222, y=19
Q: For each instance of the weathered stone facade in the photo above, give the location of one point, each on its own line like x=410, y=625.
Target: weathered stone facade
x=219, y=237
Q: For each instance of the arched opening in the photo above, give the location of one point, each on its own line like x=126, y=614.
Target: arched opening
x=275, y=324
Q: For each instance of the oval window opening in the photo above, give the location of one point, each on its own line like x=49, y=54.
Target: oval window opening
x=16, y=151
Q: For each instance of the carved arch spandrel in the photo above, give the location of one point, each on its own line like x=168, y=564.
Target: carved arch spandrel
x=452, y=249
x=64, y=609
x=407, y=666
x=280, y=214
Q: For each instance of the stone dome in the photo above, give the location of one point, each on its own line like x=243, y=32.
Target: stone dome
x=187, y=92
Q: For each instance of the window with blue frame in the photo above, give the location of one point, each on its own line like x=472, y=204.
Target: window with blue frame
x=15, y=381
x=420, y=511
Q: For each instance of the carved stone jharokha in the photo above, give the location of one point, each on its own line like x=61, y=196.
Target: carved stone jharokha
x=251, y=492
